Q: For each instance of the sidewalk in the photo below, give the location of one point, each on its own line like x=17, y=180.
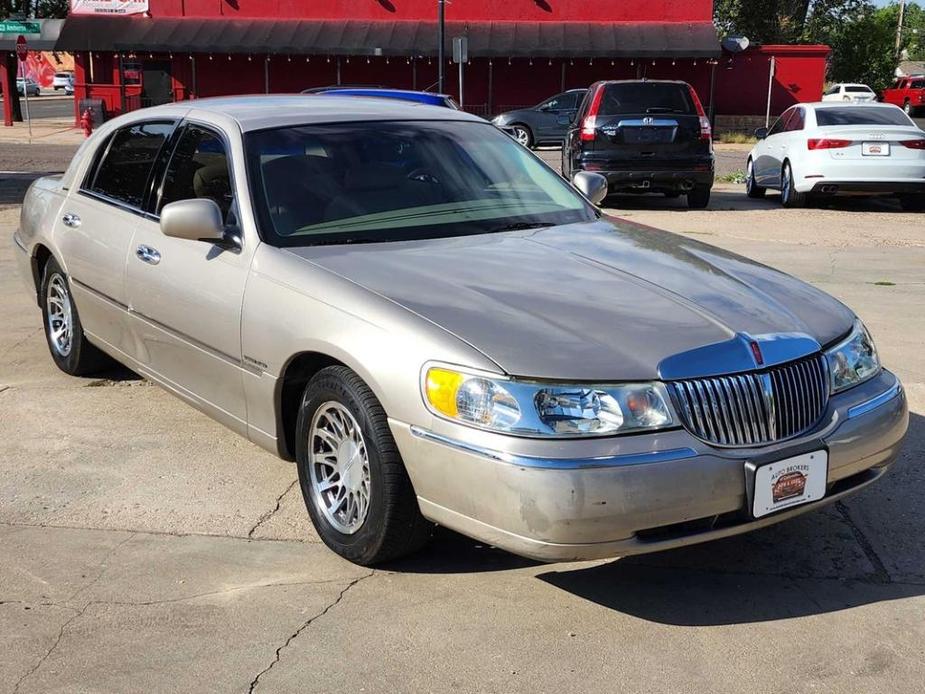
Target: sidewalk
x=44, y=130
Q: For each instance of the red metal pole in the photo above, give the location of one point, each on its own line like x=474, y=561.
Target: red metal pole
x=7, y=89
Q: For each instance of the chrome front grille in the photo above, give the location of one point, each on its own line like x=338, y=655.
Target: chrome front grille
x=757, y=407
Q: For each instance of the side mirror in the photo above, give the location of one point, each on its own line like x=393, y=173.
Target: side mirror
x=197, y=219
x=592, y=185
x=761, y=133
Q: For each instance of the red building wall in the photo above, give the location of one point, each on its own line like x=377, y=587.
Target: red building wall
x=459, y=10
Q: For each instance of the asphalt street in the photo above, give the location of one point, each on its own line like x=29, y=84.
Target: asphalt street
x=146, y=548
x=49, y=105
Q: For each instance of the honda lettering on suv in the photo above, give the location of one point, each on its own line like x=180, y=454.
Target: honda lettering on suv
x=644, y=137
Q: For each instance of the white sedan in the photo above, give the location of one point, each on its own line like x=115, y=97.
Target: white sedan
x=857, y=93
x=821, y=150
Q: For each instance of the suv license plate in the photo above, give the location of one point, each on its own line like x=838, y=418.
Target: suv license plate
x=790, y=482
x=875, y=149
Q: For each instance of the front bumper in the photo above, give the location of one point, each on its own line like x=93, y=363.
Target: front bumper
x=632, y=494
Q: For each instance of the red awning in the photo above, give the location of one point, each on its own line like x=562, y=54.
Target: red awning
x=395, y=38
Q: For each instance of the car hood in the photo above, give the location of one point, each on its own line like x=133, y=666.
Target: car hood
x=599, y=301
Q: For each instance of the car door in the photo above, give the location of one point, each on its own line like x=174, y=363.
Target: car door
x=791, y=142
x=185, y=296
x=97, y=221
x=565, y=110
x=767, y=160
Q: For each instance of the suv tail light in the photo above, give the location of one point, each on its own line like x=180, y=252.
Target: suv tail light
x=589, y=124
x=827, y=143
x=706, y=130
x=913, y=144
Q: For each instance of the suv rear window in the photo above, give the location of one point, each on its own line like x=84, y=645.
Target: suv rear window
x=646, y=97
x=877, y=115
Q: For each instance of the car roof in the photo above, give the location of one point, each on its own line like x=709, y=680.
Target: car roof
x=385, y=92
x=846, y=104
x=643, y=81
x=260, y=111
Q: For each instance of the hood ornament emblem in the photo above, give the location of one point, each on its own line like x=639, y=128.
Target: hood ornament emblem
x=756, y=352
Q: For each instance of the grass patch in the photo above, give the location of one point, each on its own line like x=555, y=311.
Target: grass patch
x=734, y=137
x=734, y=177
x=884, y=283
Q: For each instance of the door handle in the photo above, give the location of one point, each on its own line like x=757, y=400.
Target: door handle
x=148, y=254
x=71, y=220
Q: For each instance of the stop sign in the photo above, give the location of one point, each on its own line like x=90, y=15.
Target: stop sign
x=22, y=49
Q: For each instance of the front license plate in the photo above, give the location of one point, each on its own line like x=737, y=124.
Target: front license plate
x=790, y=482
x=875, y=149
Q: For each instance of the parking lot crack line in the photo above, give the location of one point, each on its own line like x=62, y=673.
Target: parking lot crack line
x=303, y=627
x=103, y=565
x=881, y=574
x=52, y=649
x=269, y=514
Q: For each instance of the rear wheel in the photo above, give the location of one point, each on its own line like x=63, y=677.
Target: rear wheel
x=789, y=196
x=907, y=107
x=912, y=203
x=352, y=477
x=698, y=197
x=523, y=135
x=752, y=189
x=69, y=347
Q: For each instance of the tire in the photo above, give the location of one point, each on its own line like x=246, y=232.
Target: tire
x=338, y=405
x=71, y=351
x=752, y=189
x=907, y=107
x=912, y=203
x=523, y=135
x=698, y=197
x=789, y=197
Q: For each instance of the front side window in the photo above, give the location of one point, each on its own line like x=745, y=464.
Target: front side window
x=198, y=168
x=781, y=123
x=917, y=84
x=125, y=170
x=391, y=181
x=796, y=120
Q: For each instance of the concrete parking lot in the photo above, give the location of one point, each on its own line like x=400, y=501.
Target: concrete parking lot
x=146, y=548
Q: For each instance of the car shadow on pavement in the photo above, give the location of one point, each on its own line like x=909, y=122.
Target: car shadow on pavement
x=820, y=562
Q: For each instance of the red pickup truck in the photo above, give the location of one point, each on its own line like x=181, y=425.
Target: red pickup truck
x=907, y=92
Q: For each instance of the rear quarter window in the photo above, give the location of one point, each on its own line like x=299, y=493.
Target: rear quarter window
x=646, y=97
x=879, y=115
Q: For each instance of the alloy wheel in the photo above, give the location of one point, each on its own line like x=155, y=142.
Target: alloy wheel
x=339, y=467
x=522, y=136
x=60, y=319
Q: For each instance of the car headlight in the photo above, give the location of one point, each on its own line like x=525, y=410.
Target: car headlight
x=853, y=361
x=528, y=408
x=498, y=120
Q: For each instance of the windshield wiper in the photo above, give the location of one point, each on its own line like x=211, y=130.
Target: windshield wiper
x=520, y=226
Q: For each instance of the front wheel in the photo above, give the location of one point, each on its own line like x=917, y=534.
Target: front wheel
x=353, y=480
x=523, y=135
x=698, y=197
x=789, y=196
x=752, y=189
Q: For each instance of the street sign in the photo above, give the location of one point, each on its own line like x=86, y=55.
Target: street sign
x=22, y=48
x=460, y=49
x=19, y=26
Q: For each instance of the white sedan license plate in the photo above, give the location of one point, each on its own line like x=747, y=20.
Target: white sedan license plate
x=875, y=149
x=790, y=482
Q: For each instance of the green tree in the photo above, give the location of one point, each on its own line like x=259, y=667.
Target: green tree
x=781, y=21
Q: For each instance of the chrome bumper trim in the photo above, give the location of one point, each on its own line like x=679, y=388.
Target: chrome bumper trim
x=893, y=391
x=558, y=463
x=19, y=243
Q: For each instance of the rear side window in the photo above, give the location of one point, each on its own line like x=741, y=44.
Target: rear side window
x=646, y=97
x=124, y=172
x=876, y=115
x=917, y=84
x=198, y=169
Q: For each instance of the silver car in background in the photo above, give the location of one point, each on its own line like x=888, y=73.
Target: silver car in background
x=438, y=328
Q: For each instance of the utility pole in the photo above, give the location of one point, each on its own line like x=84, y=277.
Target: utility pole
x=441, y=39
x=899, y=29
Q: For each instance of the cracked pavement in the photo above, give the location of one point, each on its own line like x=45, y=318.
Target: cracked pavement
x=145, y=548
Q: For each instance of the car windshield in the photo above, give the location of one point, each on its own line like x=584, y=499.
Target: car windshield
x=645, y=97
x=875, y=115
x=393, y=181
